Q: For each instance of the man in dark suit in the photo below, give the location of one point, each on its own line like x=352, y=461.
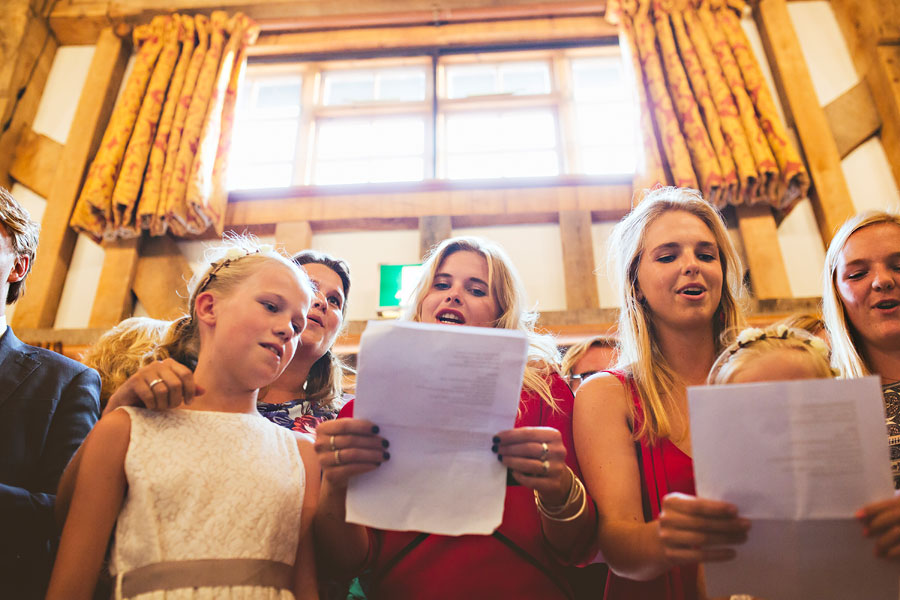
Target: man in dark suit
x=48, y=404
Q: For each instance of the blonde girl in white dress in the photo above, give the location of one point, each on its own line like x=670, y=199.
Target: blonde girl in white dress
x=209, y=500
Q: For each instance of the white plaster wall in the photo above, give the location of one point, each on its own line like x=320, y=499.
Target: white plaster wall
x=536, y=251
x=364, y=251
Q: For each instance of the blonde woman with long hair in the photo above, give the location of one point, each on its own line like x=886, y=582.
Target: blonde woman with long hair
x=548, y=518
x=680, y=282
x=861, y=307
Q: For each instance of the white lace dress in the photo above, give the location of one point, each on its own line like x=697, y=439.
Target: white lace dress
x=208, y=485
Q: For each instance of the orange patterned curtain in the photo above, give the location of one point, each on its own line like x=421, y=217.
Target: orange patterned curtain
x=708, y=119
x=161, y=165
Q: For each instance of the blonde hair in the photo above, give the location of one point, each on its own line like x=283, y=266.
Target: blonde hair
x=806, y=321
x=228, y=266
x=639, y=353
x=506, y=287
x=753, y=343
x=845, y=344
x=122, y=350
x=577, y=351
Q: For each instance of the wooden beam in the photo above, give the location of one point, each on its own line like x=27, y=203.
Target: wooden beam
x=294, y=235
x=36, y=161
x=433, y=229
x=114, y=300
x=759, y=234
x=80, y=21
x=23, y=35
x=413, y=202
x=384, y=39
x=853, y=118
x=831, y=201
x=160, y=279
x=25, y=109
x=578, y=259
x=865, y=29
x=38, y=307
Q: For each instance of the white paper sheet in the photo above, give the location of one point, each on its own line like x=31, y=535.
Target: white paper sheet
x=798, y=458
x=439, y=394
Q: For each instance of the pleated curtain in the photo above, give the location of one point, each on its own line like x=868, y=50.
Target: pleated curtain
x=708, y=119
x=162, y=161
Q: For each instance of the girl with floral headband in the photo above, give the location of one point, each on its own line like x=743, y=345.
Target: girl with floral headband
x=777, y=353
x=208, y=500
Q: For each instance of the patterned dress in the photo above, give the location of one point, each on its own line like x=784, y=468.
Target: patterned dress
x=301, y=415
x=892, y=414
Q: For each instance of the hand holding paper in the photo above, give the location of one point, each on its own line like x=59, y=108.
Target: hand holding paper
x=439, y=394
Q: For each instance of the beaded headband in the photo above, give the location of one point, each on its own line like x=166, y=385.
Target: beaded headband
x=231, y=255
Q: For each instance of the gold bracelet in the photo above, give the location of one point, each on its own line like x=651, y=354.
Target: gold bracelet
x=575, y=490
x=553, y=517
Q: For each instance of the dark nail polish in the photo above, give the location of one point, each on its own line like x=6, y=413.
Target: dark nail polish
x=375, y=429
x=494, y=448
x=387, y=455
x=500, y=457
x=496, y=439
x=385, y=443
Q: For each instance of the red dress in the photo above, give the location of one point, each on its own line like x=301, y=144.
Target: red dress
x=664, y=469
x=513, y=563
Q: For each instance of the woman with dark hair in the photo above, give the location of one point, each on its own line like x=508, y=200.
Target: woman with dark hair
x=309, y=391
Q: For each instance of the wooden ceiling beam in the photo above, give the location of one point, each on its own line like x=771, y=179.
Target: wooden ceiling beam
x=80, y=21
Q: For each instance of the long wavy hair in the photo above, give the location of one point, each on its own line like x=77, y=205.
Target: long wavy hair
x=639, y=353
x=324, y=384
x=846, y=356
x=506, y=287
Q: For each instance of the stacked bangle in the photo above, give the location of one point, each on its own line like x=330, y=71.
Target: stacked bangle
x=577, y=495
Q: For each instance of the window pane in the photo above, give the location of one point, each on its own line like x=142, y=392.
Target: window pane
x=471, y=80
x=599, y=79
x=478, y=132
x=264, y=141
x=402, y=85
x=490, y=165
x=614, y=122
x=279, y=95
x=269, y=175
x=345, y=138
x=398, y=84
x=606, y=160
x=397, y=169
x=524, y=78
x=349, y=87
x=329, y=172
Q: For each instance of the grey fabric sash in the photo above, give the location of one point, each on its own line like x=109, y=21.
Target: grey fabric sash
x=173, y=575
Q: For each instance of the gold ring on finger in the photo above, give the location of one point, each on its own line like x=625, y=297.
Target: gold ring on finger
x=337, y=456
x=545, y=451
x=154, y=382
x=546, y=466
x=333, y=447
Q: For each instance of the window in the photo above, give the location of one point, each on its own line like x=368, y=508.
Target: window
x=534, y=113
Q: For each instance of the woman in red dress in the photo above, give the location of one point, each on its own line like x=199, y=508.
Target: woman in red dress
x=548, y=518
x=681, y=279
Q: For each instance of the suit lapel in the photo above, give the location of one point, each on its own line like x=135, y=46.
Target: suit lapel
x=16, y=364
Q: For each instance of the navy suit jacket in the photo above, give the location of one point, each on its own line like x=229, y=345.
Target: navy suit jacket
x=48, y=404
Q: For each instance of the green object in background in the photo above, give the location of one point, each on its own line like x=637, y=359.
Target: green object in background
x=396, y=283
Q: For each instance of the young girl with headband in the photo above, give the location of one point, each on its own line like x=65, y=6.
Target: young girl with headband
x=210, y=499
x=777, y=353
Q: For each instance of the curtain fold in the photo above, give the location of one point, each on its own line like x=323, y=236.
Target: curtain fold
x=708, y=119
x=162, y=162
